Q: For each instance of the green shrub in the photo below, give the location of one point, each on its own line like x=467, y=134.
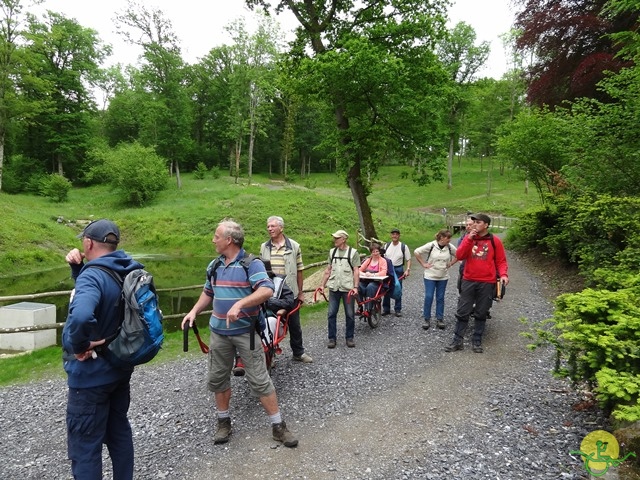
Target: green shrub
x=200, y=171
x=215, y=172
x=137, y=172
x=55, y=187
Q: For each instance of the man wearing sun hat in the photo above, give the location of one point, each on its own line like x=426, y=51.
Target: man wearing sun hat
x=341, y=276
x=485, y=261
x=99, y=393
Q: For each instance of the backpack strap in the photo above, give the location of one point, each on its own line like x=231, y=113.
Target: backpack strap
x=333, y=256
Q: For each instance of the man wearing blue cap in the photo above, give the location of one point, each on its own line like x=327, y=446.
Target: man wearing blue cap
x=99, y=393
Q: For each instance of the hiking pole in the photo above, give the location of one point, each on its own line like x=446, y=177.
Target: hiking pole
x=185, y=339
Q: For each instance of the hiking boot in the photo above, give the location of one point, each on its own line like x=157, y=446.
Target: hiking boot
x=331, y=343
x=427, y=324
x=304, y=358
x=454, y=346
x=440, y=324
x=398, y=314
x=384, y=314
x=350, y=343
x=282, y=434
x=224, y=431
x=477, y=347
x=238, y=369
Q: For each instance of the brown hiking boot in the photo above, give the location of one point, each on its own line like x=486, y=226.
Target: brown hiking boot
x=224, y=431
x=282, y=434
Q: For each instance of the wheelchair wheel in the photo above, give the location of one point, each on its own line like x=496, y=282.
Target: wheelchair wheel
x=374, y=318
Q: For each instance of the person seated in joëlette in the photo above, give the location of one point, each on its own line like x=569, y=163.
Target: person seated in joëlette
x=371, y=271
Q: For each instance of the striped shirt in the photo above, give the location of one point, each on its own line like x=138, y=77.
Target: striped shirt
x=232, y=284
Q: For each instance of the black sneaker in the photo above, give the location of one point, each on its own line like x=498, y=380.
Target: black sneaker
x=384, y=314
x=477, y=347
x=454, y=346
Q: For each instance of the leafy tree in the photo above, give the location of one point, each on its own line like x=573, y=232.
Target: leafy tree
x=66, y=58
x=16, y=78
x=136, y=171
x=167, y=119
x=462, y=59
x=252, y=82
x=491, y=103
x=210, y=89
x=536, y=143
x=374, y=70
x=572, y=49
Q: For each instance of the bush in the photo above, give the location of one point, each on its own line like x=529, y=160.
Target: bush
x=22, y=174
x=200, y=171
x=55, y=187
x=137, y=172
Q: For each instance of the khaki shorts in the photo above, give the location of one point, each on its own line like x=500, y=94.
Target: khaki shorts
x=222, y=351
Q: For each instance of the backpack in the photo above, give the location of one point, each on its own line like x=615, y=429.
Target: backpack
x=395, y=287
x=139, y=336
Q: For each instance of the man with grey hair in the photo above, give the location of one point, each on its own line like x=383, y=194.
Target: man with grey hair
x=237, y=295
x=285, y=257
x=342, y=277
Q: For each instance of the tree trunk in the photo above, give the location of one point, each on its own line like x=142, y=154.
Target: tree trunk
x=238, y=149
x=450, y=163
x=354, y=178
x=178, y=179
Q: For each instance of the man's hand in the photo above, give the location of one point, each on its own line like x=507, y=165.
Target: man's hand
x=90, y=352
x=74, y=256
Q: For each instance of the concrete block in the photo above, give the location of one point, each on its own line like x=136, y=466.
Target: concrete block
x=27, y=314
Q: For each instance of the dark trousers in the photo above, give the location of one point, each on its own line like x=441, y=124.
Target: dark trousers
x=295, y=334
x=97, y=416
x=476, y=298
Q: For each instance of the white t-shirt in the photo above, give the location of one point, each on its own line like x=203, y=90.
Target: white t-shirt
x=396, y=255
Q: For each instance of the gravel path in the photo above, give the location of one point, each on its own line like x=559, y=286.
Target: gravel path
x=395, y=407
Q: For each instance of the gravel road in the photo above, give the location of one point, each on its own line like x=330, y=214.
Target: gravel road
x=395, y=407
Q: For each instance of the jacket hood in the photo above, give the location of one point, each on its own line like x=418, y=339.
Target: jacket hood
x=117, y=261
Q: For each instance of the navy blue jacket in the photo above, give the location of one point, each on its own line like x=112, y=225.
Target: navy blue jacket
x=94, y=314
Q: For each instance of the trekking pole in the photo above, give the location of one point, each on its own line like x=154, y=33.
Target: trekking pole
x=185, y=339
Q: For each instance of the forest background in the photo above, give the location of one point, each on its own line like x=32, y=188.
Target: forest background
x=364, y=86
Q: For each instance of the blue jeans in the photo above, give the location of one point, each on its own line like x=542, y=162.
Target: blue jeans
x=439, y=287
x=386, y=301
x=95, y=416
x=334, y=304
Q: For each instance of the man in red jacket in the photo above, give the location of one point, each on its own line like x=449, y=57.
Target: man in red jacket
x=485, y=262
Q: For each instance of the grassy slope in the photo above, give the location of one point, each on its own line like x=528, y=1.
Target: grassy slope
x=31, y=239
